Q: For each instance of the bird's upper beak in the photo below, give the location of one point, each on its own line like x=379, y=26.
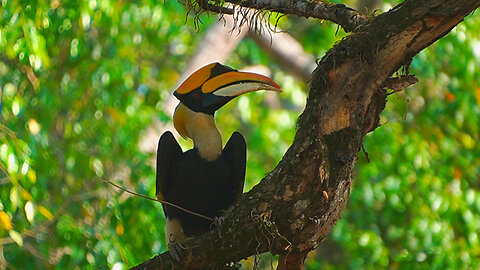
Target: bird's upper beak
x=235, y=83
x=212, y=86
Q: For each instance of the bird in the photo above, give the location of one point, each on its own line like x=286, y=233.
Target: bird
x=206, y=179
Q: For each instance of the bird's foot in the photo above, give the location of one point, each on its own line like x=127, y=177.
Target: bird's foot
x=174, y=248
x=218, y=221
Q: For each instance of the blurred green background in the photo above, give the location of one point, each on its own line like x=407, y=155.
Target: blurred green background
x=82, y=82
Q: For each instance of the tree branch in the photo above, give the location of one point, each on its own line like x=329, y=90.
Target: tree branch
x=348, y=18
x=287, y=51
x=296, y=205
x=397, y=84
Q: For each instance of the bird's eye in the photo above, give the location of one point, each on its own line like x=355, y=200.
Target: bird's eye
x=196, y=95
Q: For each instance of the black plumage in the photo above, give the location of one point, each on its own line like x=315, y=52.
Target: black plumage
x=201, y=186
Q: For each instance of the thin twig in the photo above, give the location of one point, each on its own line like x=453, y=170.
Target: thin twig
x=366, y=153
x=399, y=83
x=157, y=200
x=340, y=14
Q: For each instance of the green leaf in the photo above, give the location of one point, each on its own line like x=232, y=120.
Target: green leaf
x=16, y=236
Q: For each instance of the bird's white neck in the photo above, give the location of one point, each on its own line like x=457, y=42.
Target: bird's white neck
x=201, y=128
x=205, y=136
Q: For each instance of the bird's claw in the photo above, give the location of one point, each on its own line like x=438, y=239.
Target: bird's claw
x=218, y=221
x=174, y=248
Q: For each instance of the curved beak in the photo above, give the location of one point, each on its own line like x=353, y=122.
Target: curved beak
x=212, y=86
x=235, y=83
x=220, y=89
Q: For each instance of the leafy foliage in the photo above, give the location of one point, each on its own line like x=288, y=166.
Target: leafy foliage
x=81, y=82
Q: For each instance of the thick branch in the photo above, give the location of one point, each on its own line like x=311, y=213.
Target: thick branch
x=296, y=205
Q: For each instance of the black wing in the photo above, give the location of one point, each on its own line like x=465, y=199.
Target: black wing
x=235, y=154
x=168, y=152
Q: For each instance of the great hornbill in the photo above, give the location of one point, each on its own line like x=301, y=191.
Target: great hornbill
x=206, y=179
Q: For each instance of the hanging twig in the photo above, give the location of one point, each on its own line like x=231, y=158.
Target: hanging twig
x=157, y=200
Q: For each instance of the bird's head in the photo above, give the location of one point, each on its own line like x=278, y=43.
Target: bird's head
x=213, y=86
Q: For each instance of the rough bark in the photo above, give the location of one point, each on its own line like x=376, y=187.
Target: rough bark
x=296, y=205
